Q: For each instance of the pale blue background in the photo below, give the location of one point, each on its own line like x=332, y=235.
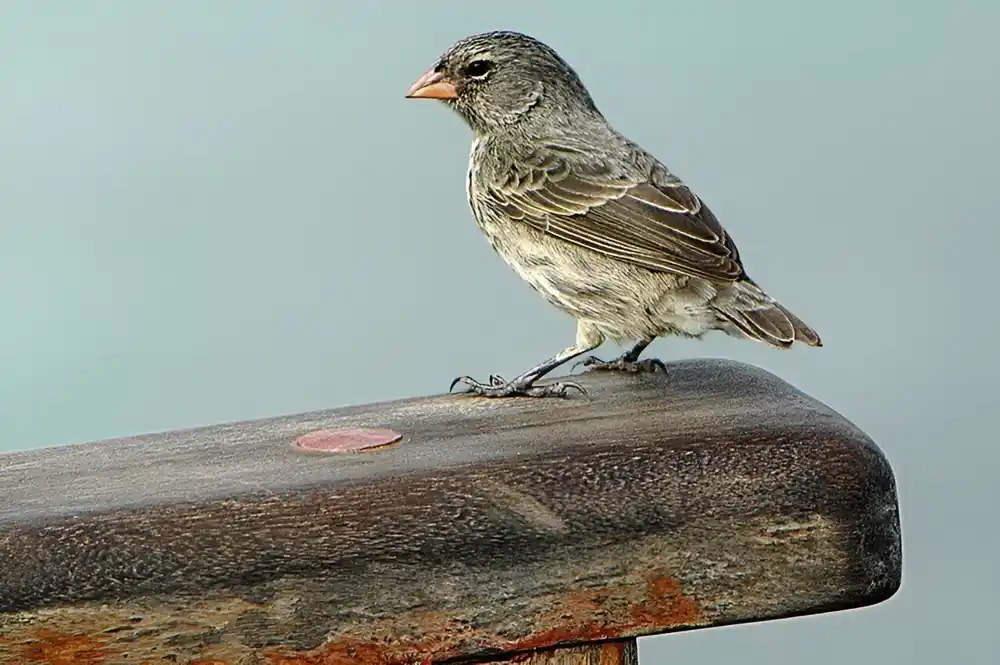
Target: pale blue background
x=223, y=210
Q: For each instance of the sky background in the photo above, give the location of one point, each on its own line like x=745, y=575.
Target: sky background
x=213, y=211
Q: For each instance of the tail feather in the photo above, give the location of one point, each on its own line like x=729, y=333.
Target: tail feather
x=803, y=333
x=762, y=319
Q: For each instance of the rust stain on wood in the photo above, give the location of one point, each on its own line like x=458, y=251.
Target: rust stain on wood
x=612, y=653
x=384, y=651
x=104, y=635
x=586, y=617
x=579, y=617
x=348, y=652
x=53, y=648
x=672, y=607
x=637, y=604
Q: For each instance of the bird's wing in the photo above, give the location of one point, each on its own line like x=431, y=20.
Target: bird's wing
x=656, y=222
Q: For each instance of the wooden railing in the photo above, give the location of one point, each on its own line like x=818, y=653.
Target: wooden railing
x=449, y=528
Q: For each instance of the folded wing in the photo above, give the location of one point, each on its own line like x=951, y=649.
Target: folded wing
x=656, y=223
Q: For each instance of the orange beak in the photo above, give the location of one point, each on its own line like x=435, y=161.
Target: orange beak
x=432, y=85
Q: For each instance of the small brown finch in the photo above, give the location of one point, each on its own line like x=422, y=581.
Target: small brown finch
x=594, y=223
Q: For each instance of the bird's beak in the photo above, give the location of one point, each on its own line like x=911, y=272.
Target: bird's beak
x=432, y=85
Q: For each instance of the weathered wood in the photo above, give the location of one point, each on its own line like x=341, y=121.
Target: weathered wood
x=717, y=494
x=623, y=652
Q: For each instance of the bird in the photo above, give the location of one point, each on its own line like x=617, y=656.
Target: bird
x=594, y=223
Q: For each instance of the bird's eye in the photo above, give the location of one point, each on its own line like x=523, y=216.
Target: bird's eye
x=478, y=68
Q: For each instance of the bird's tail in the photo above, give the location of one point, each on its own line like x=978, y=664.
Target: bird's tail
x=759, y=317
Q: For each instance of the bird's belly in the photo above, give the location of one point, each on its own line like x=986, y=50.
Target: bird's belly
x=626, y=302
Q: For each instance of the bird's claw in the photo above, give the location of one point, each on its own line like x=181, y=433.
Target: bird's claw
x=624, y=365
x=497, y=387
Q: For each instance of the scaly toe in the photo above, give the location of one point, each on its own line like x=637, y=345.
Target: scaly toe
x=497, y=387
x=559, y=389
x=652, y=364
x=590, y=361
x=468, y=381
x=623, y=365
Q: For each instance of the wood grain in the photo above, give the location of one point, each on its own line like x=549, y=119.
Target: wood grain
x=714, y=495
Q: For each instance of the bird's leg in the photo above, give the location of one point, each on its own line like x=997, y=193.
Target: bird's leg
x=628, y=361
x=588, y=338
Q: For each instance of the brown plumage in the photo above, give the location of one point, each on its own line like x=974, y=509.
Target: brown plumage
x=598, y=226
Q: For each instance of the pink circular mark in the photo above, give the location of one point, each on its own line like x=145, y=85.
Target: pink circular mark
x=347, y=440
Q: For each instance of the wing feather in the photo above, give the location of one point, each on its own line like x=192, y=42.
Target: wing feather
x=657, y=223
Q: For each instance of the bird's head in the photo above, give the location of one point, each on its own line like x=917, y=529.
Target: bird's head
x=496, y=80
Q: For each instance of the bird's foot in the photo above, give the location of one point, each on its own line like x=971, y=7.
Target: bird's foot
x=624, y=364
x=498, y=387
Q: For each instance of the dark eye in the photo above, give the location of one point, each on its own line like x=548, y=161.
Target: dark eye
x=478, y=68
